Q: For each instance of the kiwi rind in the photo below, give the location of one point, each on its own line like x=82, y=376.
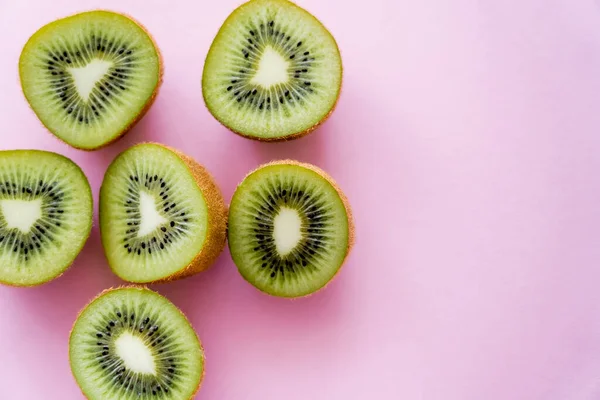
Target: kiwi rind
x=86, y=234
x=347, y=208
x=292, y=136
x=146, y=106
x=140, y=288
x=216, y=235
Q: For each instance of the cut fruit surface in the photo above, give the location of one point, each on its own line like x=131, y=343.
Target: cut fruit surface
x=45, y=215
x=161, y=215
x=132, y=343
x=290, y=228
x=90, y=77
x=273, y=71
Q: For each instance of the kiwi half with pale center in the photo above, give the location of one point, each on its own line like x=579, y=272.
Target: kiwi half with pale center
x=273, y=72
x=132, y=343
x=162, y=216
x=290, y=228
x=90, y=77
x=45, y=215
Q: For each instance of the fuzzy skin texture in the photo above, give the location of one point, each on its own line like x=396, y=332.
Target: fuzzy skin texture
x=217, y=220
x=141, y=288
x=292, y=136
x=349, y=215
x=87, y=235
x=146, y=107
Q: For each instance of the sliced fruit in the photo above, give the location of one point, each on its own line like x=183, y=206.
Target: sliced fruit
x=132, y=343
x=90, y=77
x=290, y=228
x=273, y=72
x=162, y=216
x=45, y=215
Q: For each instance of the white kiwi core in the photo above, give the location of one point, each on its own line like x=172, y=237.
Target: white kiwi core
x=287, y=230
x=86, y=77
x=21, y=214
x=272, y=69
x=135, y=354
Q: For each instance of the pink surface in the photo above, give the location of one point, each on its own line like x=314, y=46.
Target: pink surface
x=468, y=141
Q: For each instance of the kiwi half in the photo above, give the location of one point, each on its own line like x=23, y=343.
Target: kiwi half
x=162, y=216
x=273, y=72
x=90, y=77
x=290, y=228
x=132, y=343
x=45, y=215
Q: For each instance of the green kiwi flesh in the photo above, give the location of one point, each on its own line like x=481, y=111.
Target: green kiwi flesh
x=45, y=215
x=132, y=343
x=290, y=229
x=154, y=218
x=273, y=72
x=89, y=77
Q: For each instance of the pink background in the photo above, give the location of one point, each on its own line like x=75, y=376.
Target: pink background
x=468, y=141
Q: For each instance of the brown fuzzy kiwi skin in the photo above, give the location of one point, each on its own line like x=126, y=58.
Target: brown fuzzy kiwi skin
x=345, y=202
x=146, y=107
x=141, y=288
x=296, y=135
x=216, y=236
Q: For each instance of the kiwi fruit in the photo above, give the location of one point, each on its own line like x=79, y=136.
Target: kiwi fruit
x=290, y=228
x=162, y=216
x=132, y=343
x=45, y=215
x=90, y=77
x=273, y=72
